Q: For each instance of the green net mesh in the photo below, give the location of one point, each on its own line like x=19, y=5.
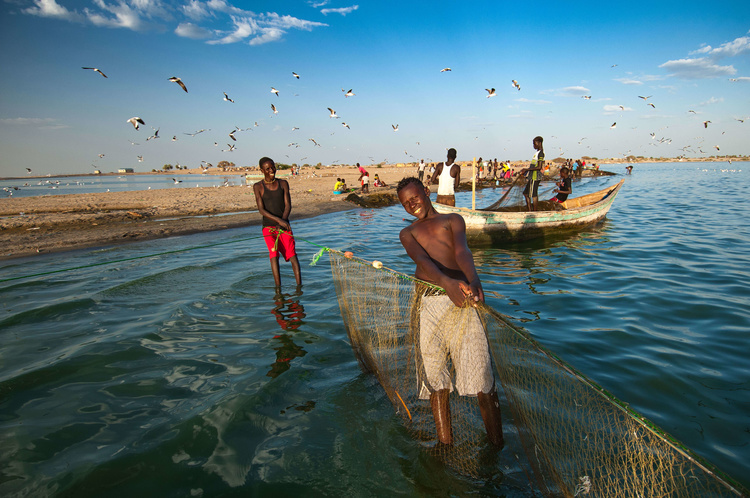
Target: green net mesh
x=576, y=438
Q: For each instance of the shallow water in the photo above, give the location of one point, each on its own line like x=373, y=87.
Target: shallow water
x=62, y=185
x=182, y=374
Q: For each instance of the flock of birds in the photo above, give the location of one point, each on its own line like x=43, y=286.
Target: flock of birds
x=137, y=121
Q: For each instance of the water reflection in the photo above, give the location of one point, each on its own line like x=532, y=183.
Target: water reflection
x=290, y=314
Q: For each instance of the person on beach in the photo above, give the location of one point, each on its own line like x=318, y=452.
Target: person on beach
x=364, y=179
x=564, y=186
x=447, y=175
x=437, y=244
x=420, y=170
x=534, y=175
x=275, y=204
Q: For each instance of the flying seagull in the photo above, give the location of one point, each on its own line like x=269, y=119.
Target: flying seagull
x=295, y=75
x=140, y=159
x=395, y=127
x=177, y=80
x=705, y=124
x=445, y=69
x=174, y=138
x=516, y=85
x=226, y=97
x=136, y=121
x=586, y=97
x=273, y=90
x=231, y=135
x=95, y=69
x=155, y=135
x=614, y=125
x=349, y=93
x=333, y=113
x=344, y=124
x=491, y=92
x=273, y=108
x=645, y=98
x=652, y=105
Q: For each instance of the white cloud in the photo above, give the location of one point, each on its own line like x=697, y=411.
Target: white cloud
x=315, y=5
x=712, y=100
x=50, y=8
x=729, y=49
x=342, y=10
x=122, y=16
x=40, y=123
x=628, y=81
x=699, y=68
x=216, y=21
x=196, y=10
x=190, y=30
x=570, y=91
x=267, y=35
x=533, y=101
x=609, y=108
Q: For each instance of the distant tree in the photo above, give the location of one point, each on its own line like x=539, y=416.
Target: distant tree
x=167, y=167
x=305, y=165
x=223, y=165
x=283, y=166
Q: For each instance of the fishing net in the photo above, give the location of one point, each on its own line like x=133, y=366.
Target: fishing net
x=573, y=438
x=513, y=200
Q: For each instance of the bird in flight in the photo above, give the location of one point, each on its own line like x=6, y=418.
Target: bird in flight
x=231, y=135
x=491, y=92
x=395, y=127
x=155, y=135
x=645, y=98
x=230, y=149
x=349, y=93
x=295, y=128
x=333, y=113
x=705, y=124
x=445, y=69
x=346, y=125
x=314, y=142
x=295, y=75
x=614, y=125
x=95, y=69
x=140, y=159
x=652, y=105
x=586, y=97
x=273, y=108
x=226, y=97
x=273, y=90
x=177, y=80
x=174, y=138
x=136, y=122
x=516, y=85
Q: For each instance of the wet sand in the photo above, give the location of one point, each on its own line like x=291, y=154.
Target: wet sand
x=35, y=225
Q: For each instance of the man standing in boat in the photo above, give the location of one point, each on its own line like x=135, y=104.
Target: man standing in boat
x=534, y=175
x=447, y=175
x=275, y=204
x=437, y=244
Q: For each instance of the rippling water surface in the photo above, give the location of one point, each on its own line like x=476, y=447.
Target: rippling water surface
x=183, y=374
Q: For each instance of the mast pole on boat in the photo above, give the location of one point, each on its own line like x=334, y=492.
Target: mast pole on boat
x=474, y=183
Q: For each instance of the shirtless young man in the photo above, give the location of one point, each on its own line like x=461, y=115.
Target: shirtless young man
x=437, y=244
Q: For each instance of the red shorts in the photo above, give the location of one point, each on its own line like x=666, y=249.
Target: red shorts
x=279, y=242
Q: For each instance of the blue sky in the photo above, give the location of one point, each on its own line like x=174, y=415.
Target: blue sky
x=57, y=118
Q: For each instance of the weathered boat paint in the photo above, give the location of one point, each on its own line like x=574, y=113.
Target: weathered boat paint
x=493, y=226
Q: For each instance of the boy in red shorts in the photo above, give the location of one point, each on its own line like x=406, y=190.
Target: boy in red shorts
x=274, y=204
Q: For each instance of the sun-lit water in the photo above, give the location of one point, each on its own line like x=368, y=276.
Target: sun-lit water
x=182, y=374
x=62, y=185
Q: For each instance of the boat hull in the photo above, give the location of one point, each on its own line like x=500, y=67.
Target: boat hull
x=490, y=227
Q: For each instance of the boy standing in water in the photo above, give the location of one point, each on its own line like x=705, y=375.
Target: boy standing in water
x=275, y=204
x=437, y=244
x=534, y=174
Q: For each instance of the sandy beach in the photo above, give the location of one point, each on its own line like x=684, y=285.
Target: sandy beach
x=35, y=225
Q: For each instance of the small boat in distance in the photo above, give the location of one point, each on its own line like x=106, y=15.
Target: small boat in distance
x=490, y=227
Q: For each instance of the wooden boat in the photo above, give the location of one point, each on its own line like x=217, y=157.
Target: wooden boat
x=483, y=227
